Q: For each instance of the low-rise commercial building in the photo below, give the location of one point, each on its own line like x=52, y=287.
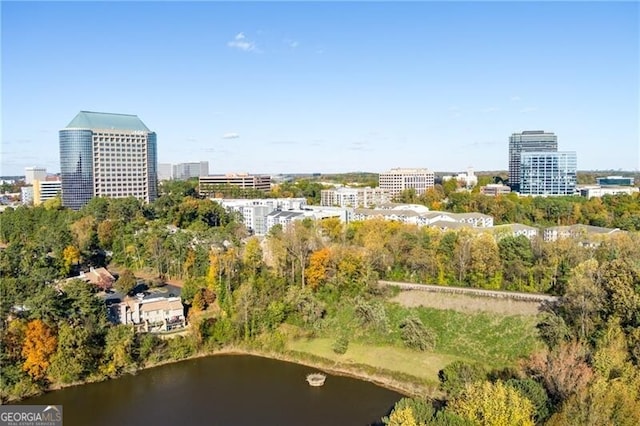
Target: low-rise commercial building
x=615, y=181
x=591, y=191
x=209, y=184
x=495, y=189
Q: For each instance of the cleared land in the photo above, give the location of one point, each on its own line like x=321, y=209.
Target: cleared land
x=418, y=364
x=465, y=303
x=493, y=339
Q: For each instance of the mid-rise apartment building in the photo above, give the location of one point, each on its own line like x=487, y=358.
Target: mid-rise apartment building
x=397, y=180
x=254, y=211
x=107, y=155
x=527, y=141
x=354, y=197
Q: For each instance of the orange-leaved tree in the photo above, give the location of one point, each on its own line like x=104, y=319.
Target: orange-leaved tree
x=318, y=269
x=40, y=343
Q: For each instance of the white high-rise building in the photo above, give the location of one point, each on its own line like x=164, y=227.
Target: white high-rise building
x=34, y=173
x=183, y=171
x=397, y=180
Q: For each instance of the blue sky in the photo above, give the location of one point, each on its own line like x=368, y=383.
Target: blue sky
x=326, y=87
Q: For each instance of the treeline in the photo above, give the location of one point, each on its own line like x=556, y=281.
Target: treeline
x=588, y=374
x=619, y=211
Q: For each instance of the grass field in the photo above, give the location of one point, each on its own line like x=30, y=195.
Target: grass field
x=418, y=364
x=493, y=339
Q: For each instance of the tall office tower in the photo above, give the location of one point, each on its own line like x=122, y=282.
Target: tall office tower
x=34, y=173
x=183, y=171
x=548, y=173
x=527, y=141
x=397, y=180
x=107, y=155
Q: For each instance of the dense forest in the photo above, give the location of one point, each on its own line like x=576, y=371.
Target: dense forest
x=318, y=280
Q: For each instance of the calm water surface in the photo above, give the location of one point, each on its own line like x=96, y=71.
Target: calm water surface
x=222, y=390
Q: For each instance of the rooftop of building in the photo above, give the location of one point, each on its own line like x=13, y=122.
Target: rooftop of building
x=590, y=229
x=407, y=170
x=107, y=121
x=534, y=132
x=236, y=175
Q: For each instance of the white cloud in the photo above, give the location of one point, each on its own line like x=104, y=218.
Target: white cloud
x=230, y=135
x=515, y=98
x=490, y=109
x=292, y=43
x=241, y=42
x=528, y=110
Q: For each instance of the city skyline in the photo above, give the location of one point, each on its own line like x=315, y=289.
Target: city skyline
x=326, y=87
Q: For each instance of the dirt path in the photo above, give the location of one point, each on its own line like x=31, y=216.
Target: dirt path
x=466, y=303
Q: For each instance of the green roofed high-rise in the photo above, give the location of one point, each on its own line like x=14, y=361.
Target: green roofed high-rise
x=107, y=155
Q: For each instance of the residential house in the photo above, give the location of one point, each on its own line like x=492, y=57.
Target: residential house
x=150, y=313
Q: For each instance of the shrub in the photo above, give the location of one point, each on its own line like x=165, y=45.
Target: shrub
x=341, y=344
x=416, y=335
x=455, y=376
x=371, y=314
x=181, y=347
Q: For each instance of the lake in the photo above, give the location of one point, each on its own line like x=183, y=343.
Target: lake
x=222, y=390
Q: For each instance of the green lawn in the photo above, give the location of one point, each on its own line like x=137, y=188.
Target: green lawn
x=491, y=339
x=424, y=365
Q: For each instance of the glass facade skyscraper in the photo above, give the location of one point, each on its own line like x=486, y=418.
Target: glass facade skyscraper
x=107, y=155
x=76, y=167
x=527, y=141
x=548, y=173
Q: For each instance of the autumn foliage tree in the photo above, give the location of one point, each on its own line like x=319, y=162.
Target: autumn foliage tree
x=493, y=404
x=70, y=256
x=563, y=370
x=39, y=344
x=318, y=269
